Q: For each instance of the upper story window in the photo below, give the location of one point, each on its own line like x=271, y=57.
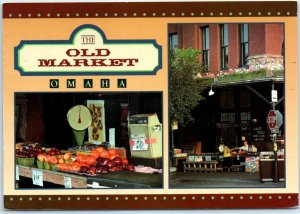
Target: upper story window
x=173, y=39
x=205, y=46
x=244, y=43
x=224, y=45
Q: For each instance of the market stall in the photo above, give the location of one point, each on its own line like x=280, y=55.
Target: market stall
x=86, y=146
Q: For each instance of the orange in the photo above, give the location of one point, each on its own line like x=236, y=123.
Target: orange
x=104, y=154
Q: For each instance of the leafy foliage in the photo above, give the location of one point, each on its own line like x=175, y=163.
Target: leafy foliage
x=184, y=89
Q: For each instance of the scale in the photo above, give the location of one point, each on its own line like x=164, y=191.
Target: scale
x=79, y=118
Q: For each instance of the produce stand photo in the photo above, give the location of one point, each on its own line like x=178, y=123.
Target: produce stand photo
x=115, y=142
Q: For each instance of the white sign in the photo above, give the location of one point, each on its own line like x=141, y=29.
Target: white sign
x=17, y=173
x=112, y=139
x=68, y=182
x=37, y=177
x=274, y=96
x=88, y=51
x=139, y=142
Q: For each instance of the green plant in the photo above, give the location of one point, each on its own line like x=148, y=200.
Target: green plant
x=184, y=88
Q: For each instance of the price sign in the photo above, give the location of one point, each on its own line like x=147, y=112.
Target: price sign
x=17, y=173
x=139, y=142
x=37, y=177
x=68, y=182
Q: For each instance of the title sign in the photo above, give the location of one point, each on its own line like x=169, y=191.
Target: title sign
x=88, y=52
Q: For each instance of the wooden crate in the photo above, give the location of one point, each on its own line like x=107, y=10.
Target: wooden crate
x=202, y=167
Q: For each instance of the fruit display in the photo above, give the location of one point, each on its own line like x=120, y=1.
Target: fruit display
x=90, y=163
x=99, y=161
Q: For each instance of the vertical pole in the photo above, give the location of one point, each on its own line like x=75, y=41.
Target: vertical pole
x=172, y=147
x=275, y=146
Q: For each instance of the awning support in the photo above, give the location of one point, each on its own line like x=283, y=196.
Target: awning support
x=259, y=94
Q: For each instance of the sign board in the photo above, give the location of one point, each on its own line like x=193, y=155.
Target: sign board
x=68, y=182
x=274, y=96
x=37, y=177
x=112, y=139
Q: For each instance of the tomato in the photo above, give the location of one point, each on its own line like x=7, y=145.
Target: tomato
x=125, y=161
x=112, y=151
x=95, y=153
x=112, y=156
x=91, y=160
x=104, y=154
x=99, y=149
x=75, y=168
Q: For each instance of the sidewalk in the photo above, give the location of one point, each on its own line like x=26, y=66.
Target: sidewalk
x=220, y=180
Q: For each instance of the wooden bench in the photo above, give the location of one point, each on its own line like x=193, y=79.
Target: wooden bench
x=203, y=166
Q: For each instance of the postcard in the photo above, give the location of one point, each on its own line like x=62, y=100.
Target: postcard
x=150, y=105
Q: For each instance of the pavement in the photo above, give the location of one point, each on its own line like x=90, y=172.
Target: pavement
x=220, y=180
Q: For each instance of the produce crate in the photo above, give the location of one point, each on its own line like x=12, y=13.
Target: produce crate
x=26, y=161
x=204, y=166
x=40, y=164
x=47, y=166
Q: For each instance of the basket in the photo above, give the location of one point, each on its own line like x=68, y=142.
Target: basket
x=40, y=164
x=47, y=166
x=53, y=167
x=26, y=161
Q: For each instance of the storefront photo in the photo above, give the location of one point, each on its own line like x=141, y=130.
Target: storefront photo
x=88, y=140
x=228, y=129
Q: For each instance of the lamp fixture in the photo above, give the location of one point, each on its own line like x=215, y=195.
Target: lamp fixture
x=211, y=92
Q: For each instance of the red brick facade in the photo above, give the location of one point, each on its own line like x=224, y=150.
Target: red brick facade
x=264, y=39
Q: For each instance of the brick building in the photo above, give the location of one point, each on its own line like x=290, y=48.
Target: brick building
x=238, y=109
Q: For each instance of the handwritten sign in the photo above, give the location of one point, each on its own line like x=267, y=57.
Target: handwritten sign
x=112, y=140
x=37, y=177
x=139, y=142
x=17, y=173
x=68, y=182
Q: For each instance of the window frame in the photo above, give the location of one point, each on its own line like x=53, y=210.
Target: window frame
x=224, y=47
x=205, y=50
x=171, y=40
x=243, y=45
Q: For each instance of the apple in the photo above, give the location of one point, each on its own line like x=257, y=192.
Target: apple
x=113, y=169
x=105, y=170
x=117, y=160
x=130, y=167
x=61, y=160
x=99, y=169
x=92, y=170
x=120, y=167
x=110, y=164
x=83, y=169
x=41, y=157
x=67, y=156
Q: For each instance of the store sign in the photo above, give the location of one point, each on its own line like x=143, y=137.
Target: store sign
x=37, y=177
x=17, y=173
x=139, y=142
x=88, y=51
x=68, y=182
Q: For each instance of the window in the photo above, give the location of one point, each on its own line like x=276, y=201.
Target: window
x=244, y=44
x=224, y=46
x=173, y=39
x=205, y=46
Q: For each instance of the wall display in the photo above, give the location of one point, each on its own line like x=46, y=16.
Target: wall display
x=97, y=127
x=90, y=91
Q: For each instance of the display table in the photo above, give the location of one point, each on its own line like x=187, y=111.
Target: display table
x=121, y=179
x=202, y=166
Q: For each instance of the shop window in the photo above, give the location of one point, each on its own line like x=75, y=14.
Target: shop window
x=173, y=40
x=224, y=46
x=244, y=44
x=205, y=46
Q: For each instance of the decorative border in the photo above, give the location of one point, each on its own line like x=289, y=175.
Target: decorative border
x=150, y=9
x=126, y=202
x=71, y=41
